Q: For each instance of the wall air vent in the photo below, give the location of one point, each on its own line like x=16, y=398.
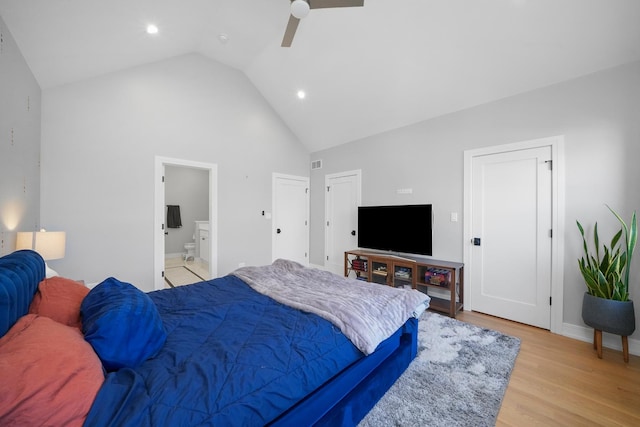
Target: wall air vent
x=316, y=164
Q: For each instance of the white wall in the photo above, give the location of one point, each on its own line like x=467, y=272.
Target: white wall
x=19, y=144
x=99, y=141
x=599, y=115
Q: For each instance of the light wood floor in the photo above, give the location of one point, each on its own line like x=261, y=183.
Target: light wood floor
x=559, y=381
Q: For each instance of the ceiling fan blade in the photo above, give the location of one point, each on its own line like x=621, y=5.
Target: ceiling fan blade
x=292, y=26
x=324, y=4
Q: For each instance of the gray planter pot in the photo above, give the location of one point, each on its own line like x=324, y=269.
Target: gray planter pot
x=615, y=317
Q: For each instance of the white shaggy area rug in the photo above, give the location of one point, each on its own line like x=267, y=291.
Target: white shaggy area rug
x=457, y=379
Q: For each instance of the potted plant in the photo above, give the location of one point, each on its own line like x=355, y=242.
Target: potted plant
x=606, y=305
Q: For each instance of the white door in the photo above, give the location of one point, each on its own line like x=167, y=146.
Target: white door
x=342, y=198
x=290, y=218
x=511, y=218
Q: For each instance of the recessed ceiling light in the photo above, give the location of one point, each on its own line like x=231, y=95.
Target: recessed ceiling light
x=152, y=29
x=301, y=94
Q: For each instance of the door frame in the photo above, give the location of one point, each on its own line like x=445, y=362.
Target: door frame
x=275, y=177
x=358, y=174
x=557, y=221
x=159, y=203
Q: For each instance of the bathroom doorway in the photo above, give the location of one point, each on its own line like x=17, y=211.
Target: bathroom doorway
x=186, y=231
x=185, y=252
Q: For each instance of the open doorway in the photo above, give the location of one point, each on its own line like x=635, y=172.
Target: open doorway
x=186, y=231
x=192, y=243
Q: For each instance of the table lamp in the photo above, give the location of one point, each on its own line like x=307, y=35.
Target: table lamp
x=49, y=244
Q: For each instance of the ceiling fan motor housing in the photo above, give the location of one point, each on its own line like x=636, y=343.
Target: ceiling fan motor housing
x=299, y=8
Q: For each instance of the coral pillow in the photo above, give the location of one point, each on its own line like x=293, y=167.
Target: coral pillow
x=49, y=374
x=122, y=324
x=59, y=299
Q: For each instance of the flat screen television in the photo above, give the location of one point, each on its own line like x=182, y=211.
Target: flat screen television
x=401, y=228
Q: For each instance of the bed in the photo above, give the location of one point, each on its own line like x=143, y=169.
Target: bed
x=248, y=349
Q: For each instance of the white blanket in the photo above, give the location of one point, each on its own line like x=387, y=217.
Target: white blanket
x=367, y=313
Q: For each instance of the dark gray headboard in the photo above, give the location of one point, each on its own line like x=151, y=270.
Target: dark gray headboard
x=20, y=274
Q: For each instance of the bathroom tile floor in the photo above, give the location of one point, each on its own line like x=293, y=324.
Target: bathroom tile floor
x=178, y=272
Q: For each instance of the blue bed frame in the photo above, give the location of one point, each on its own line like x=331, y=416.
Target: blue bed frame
x=342, y=401
x=350, y=395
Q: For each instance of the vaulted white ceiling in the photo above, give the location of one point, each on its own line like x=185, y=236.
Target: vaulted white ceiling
x=365, y=70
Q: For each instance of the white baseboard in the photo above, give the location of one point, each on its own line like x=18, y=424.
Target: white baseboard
x=608, y=340
x=175, y=255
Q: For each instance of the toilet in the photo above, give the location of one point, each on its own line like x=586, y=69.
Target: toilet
x=191, y=252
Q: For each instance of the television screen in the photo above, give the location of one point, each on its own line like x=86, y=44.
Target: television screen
x=403, y=228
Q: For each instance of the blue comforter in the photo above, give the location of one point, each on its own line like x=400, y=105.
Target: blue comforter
x=232, y=357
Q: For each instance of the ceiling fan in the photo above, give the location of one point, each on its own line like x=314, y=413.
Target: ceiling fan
x=300, y=9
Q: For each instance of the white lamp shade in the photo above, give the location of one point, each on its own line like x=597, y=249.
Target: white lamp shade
x=299, y=8
x=49, y=244
x=24, y=240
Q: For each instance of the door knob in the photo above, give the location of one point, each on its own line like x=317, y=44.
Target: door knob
x=278, y=231
x=353, y=232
